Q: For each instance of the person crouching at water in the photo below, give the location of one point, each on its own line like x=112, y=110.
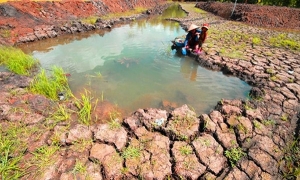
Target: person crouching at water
x=201, y=37
x=192, y=38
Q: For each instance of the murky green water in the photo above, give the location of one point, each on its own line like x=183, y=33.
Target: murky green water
x=133, y=67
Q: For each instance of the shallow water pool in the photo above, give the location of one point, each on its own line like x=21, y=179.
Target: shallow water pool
x=133, y=66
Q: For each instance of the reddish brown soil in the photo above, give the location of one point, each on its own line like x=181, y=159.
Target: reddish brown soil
x=20, y=18
x=256, y=15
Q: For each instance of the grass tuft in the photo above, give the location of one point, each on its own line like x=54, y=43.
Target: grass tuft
x=16, y=60
x=50, y=86
x=85, y=108
x=90, y=20
x=234, y=155
x=131, y=153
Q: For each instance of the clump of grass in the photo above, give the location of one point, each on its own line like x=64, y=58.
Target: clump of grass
x=131, y=153
x=5, y=33
x=13, y=148
x=85, y=108
x=52, y=85
x=137, y=10
x=257, y=124
x=234, y=155
x=90, y=20
x=185, y=150
x=282, y=40
x=114, y=124
x=16, y=60
x=284, y=117
x=291, y=169
x=273, y=78
x=61, y=114
x=9, y=166
x=256, y=41
x=43, y=157
x=79, y=168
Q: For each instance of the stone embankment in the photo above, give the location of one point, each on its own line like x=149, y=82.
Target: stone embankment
x=240, y=139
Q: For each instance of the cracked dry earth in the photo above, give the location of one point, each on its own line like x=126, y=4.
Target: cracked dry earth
x=159, y=144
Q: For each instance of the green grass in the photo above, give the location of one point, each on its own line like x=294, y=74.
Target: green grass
x=282, y=40
x=292, y=160
x=5, y=33
x=52, y=85
x=61, y=114
x=90, y=20
x=136, y=10
x=131, y=152
x=85, y=108
x=9, y=166
x=43, y=157
x=16, y=60
x=234, y=155
x=13, y=146
x=256, y=41
x=185, y=150
x=284, y=117
x=79, y=168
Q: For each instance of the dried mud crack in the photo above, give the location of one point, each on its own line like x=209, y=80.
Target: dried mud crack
x=239, y=139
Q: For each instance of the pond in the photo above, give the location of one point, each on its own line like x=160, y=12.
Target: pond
x=132, y=66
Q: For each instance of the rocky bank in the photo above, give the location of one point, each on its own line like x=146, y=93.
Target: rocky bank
x=240, y=139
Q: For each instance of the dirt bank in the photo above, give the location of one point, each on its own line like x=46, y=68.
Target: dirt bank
x=30, y=21
x=256, y=15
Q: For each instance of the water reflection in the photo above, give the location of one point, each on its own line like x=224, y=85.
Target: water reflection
x=189, y=67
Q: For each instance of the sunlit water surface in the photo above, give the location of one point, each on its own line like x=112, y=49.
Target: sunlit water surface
x=132, y=66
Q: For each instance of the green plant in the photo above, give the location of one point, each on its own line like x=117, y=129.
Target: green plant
x=43, y=157
x=205, y=142
x=257, y=124
x=5, y=33
x=50, y=86
x=114, y=124
x=79, y=168
x=284, y=117
x=137, y=10
x=268, y=122
x=185, y=150
x=85, y=108
x=291, y=80
x=131, y=152
x=242, y=128
x=16, y=60
x=270, y=71
x=291, y=159
x=182, y=137
x=234, y=155
x=273, y=78
x=256, y=41
x=124, y=170
x=90, y=20
x=61, y=114
x=9, y=166
x=189, y=164
x=13, y=146
x=247, y=106
x=282, y=40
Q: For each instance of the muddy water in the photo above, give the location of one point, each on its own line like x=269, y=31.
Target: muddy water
x=133, y=66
